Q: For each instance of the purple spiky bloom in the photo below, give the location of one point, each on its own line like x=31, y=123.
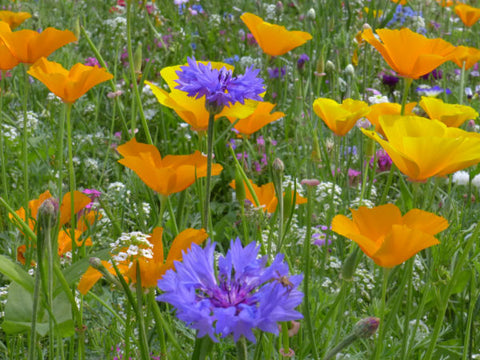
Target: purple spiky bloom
x=245, y=295
x=219, y=87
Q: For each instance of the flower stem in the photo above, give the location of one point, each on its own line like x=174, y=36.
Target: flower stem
x=462, y=84
x=2, y=153
x=139, y=314
x=381, y=332
x=206, y=207
x=406, y=88
x=26, y=196
x=71, y=176
x=242, y=352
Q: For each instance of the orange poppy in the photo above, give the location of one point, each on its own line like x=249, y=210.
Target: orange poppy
x=260, y=117
x=266, y=196
x=422, y=148
x=274, y=39
x=408, y=53
x=465, y=54
x=452, y=115
x=468, y=14
x=7, y=60
x=28, y=46
x=150, y=257
x=401, y=2
x=386, y=236
x=377, y=110
x=71, y=84
x=172, y=174
x=340, y=118
x=446, y=3
x=14, y=19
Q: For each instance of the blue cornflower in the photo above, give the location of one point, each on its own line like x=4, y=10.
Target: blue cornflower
x=246, y=294
x=219, y=87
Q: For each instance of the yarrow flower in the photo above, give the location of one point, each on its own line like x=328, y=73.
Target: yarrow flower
x=219, y=87
x=245, y=295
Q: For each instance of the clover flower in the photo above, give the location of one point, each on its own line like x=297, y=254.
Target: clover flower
x=245, y=295
x=219, y=87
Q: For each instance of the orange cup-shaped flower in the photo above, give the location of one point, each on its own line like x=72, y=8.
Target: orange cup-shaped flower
x=267, y=199
x=7, y=60
x=172, y=174
x=28, y=46
x=149, y=254
x=468, y=14
x=386, y=236
x=452, y=115
x=465, y=55
x=408, y=53
x=400, y=2
x=422, y=148
x=190, y=109
x=69, y=85
x=14, y=19
x=274, y=39
x=260, y=117
x=340, y=118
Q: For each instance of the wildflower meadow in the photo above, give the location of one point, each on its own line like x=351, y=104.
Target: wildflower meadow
x=208, y=179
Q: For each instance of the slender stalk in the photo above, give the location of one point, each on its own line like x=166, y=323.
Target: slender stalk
x=406, y=324
x=2, y=153
x=406, y=88
x=139, y=313
x=33, y=329
x=206, y=207
x=71, y=181
x=26, y=196
x=381, y=332
x=307, y=272
x=462, y=84
x=242, y=352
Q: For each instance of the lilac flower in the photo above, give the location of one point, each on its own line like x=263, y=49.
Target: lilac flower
x=276, y=72
x=219, y=87
x=302, y=60
x=91, y=61
x=245, y=295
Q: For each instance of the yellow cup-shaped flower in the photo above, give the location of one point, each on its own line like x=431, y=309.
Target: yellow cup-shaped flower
x=172, y=174
x=422, y=148
x=410, y=54
x=377, y=110
x=386, y=236
x=7, y=60
x=190, y=109
x=28, y=46
x=340, y=118
x=14, y=19
x=452, y=115
x=69, y=85
x=275, y=40
x=260, y=117
x=465, y=55
x=468, y=14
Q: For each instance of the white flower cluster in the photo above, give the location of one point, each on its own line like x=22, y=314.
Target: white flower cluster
x=326, y=193
x=131, y=245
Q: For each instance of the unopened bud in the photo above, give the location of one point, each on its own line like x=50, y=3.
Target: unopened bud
x=329, y=66
x=137, y=59
x=349, y=265
x=239, y=186
x=47, y=213
x=366, y=27
x=278, y=165
x=350, y=70
x=311, y=15
x=76, y=28
x=366, y=327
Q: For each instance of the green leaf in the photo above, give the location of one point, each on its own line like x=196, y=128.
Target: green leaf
x=18, y=313
x=16, y=273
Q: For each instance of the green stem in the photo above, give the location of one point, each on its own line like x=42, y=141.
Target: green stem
x=406, y=88
x=462, y=84
x=307, y=272
x=2, y=153
x=406, y=324
x=139, y=313
x=342, y=345
x=133, y=77
x=448, y=291
x=33, y=330
x=206, y=207
x=71, y=182
x=381, y=332
x=242, y=352
x=26, y=196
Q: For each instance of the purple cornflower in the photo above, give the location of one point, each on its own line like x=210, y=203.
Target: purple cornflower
x=246, y=294
x=301, y=61
x=384, y=162
x=276, y=72
x=219, y=87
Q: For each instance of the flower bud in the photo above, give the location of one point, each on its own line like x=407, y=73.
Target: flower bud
x=350, y=70
x=47, y=213
x=329, y=66
x=137, y=59
x=278, y=165
x=366, y=327
x=349, y=265
x=311, y=14
x=239, y=186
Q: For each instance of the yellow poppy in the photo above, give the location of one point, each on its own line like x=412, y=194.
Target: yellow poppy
x=422, y=148
x=172, y=174
x=377, y=110
x=152, y=263
x=28, y=46
x=340, y=118
x=69, y=85
x=468, y=14
x=386, y=236
x=465, y=54
x=260, y=117
x=14, y=19
x=190, y=109
x=274, y=39
x=452, y=115
x=408, y=53
x=7, y=60
x=266, y=196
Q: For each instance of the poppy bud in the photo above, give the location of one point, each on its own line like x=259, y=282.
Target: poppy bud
x=278, y=165
x=311, y=14
x=329, y=66
x=137, y=59
x=350, y=70
x=239, y=186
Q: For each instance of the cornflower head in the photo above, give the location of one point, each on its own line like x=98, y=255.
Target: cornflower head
x=219, y=87
x=246, y=294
